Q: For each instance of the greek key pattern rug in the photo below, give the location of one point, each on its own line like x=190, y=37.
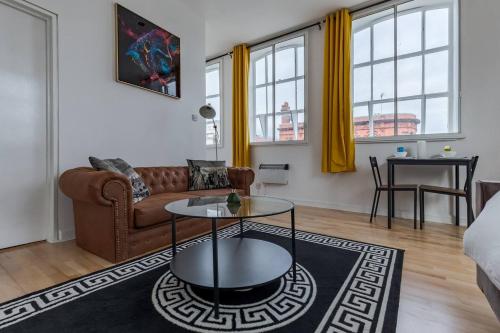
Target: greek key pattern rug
x=342, y=286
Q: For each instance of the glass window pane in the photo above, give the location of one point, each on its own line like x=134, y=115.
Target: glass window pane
x=269, y=68
x=270, y=98
x=285, y=64
x=212, y=80
x=285, y=96
x=436, y=28
x=258, y=65
x=436, y=115
x=383, y=80
x=436, y=72
x=259, y=133
x=285, y=57
x=300, y=121
x=300, y=61
x=215, y=103
x=361, y=121
x=361, y=46
x=410, y=76
x=362, y=84
x=383, y=119
x=260, y=101
x=409, y=117
x=383, y=38
x=269, y=124
x=260, y=71
x=409, y=33
x=300, y=94
x=286, y=127
x=210, y=137
x=262, y=127
x=210, y=131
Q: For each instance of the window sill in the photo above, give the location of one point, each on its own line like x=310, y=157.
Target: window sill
x=411, y=138
x=279, y=143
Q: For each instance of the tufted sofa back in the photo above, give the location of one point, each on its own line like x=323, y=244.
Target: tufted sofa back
x=164, y=179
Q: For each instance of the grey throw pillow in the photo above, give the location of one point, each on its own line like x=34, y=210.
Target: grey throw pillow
x=203, y=163
x=139, y=190
x=207, y=175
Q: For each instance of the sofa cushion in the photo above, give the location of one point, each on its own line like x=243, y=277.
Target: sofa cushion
x=139, y=190
x=151, y=211
x=207, y=175
x=215, y=192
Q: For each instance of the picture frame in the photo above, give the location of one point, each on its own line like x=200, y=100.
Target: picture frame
x=147, y=56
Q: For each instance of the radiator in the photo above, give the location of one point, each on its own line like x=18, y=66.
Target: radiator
x=273, y=174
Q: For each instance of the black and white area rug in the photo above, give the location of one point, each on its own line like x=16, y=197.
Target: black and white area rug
x=342, y=286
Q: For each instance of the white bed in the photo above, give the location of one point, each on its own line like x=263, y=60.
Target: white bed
x=482, y=240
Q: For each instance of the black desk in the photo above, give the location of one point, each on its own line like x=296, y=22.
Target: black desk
x=456, y=162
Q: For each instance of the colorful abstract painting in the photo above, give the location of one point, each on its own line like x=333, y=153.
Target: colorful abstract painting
x=147, y=55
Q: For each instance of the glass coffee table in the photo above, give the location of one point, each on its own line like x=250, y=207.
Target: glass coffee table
x=232, y=263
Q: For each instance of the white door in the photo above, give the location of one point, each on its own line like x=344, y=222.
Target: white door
x=24, y=185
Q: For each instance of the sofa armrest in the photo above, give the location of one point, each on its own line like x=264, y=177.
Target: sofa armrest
x=96, y=187
x=241, y=178
x=485, y=189
x=103, y=210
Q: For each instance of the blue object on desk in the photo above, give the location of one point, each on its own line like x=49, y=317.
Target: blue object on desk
x=400, y=149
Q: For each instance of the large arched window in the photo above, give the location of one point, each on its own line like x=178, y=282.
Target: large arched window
x=277, y=96
x=418, y=94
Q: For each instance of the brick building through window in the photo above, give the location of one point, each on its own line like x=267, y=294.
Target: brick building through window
x=383, y=125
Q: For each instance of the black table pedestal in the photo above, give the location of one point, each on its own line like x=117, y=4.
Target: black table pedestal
x=222, y=263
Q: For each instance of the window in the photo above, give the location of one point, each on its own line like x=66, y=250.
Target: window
x=405, y=70
x=277, y=91
x=213, y=81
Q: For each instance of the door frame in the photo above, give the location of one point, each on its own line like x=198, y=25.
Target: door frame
x=52, y=107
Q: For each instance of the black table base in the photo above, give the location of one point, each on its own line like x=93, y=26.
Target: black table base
x=232, y=264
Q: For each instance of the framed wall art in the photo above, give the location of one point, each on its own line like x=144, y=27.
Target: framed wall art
x=147, y=56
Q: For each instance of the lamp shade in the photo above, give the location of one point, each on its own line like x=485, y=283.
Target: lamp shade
x=207, y=111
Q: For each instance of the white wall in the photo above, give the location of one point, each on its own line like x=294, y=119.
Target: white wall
x=480, y=71
x=101, y=117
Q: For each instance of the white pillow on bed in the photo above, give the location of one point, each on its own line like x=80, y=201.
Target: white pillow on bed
x=482, y=240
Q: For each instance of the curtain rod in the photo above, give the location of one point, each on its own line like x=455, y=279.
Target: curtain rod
x=315, y=24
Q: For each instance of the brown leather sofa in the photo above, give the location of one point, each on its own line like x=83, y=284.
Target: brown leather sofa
x=109, y=225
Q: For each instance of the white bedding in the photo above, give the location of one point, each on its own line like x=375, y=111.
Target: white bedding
x=482, y=240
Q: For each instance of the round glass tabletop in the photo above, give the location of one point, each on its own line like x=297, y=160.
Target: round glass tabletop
x=217, y=207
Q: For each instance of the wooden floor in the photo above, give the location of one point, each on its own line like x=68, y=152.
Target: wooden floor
x=438, y=293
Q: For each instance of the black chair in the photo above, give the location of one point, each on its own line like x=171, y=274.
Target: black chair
x=446, y=191
x=379, y=187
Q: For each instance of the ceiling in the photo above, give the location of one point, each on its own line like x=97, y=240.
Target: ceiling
x=229, y=22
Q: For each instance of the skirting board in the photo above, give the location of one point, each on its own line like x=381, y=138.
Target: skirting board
x=382, y=211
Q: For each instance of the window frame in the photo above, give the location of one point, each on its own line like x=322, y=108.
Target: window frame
x=252, y=88
x=220, y=128
x=454, y=77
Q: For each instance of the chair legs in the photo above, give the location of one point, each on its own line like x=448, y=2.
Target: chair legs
x=469, y=207
x=373, y=212
x=376, y=204
x=415, y=204
x=422, y=208
x=376, y=199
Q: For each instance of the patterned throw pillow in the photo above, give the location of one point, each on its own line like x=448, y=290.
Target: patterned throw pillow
x=207, y=175
x=139, y=190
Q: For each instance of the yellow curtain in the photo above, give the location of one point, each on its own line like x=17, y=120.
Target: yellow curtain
x=241, y=135
x=338, y=132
